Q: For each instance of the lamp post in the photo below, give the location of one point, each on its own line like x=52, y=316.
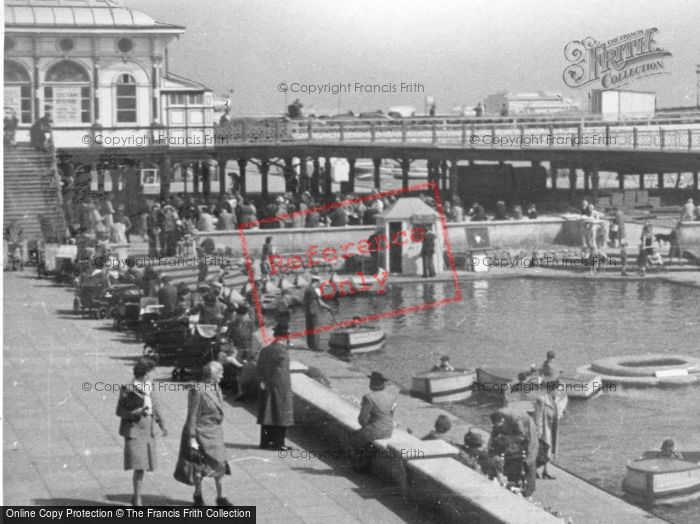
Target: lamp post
x=697, y=87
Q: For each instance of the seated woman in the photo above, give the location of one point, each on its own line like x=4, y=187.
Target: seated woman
x=377, y=421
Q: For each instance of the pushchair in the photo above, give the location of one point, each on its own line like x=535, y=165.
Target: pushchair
x=514, y=455
x=182, y=343
x=108, y=300
x=126, y=312
x=88, y=293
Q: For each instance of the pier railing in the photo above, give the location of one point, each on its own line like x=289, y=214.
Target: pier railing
x=673, y=132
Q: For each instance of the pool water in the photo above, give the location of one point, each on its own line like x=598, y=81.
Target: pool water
x=515, y=322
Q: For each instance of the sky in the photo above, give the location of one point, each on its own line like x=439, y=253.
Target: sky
x=457, y=51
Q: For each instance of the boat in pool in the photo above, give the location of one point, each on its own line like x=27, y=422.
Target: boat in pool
x=443, y=386
x=655, y=479
x=581, y=385
x=357, y=339
x=502, y=381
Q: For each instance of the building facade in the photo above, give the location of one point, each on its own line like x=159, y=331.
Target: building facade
x=99, y=70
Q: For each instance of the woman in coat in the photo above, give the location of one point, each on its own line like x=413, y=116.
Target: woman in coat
x=276, y=408
x=203, y=432
x=139, y=412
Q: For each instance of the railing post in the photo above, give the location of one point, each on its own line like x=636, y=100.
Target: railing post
x=551, y=134
x=690, y=139
x=579, y=134
x=403, y=132
x=464, y=134
x=662, y=138
x=372, y=132
x=310, y=130
x=635, y=138
x=606, y=138
x=243, y=130
x=493, y=135
x=522, y=135
x=434, y=131
x=342, y=132
x=277, y=131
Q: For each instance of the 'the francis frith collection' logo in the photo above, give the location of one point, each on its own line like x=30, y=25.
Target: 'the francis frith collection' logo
x=615, y=63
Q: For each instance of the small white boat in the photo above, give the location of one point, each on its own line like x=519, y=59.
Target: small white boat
x=443, y=386
x=357, y=339
x=655, y=480
x=581, y=385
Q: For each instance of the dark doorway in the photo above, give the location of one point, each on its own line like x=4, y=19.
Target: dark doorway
x=395, y=249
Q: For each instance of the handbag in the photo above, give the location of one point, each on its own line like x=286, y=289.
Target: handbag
x=189, y=470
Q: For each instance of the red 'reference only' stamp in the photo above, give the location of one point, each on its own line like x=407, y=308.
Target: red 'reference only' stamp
x=316, y=256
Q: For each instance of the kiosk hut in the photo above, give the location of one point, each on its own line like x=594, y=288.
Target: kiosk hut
x=397, y=223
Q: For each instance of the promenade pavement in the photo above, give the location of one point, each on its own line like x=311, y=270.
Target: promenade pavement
x=61, y=444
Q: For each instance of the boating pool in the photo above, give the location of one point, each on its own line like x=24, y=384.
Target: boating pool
x=514, y=322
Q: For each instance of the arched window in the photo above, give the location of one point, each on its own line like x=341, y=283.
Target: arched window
x=126, y=99
x=18, y=91
x=67, y=93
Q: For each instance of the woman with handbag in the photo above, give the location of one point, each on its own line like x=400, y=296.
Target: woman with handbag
x=139, y=412
x=202, y=450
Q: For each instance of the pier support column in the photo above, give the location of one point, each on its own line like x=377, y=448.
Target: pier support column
x=573, y=179
x=207, y=172
x=553, y=170
x=165, y=169
x=100, y=177
x=264, y=169
x=621, y=181
x=327, y=180
x=641, y=181
x=695, y=182
x=351, y=175
x=289, y=174
x=377, y=173
x=595, y=181
x=315, y=178
x=660, y=180
x=405, y=167
x=304, y=182
x=454, y=179
x=196, y=175
x=222, y=175
x=443, y=175
x=242, y=163
x=587, y=179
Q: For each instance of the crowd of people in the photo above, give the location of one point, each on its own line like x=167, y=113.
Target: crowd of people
x=520, y=444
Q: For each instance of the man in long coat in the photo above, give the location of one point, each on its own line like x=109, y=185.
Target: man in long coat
x=276, y=408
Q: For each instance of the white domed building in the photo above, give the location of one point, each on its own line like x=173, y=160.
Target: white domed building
x=97, y=67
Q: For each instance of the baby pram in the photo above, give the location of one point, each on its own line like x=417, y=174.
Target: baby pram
x=182, y=343
x=88, y=293
x=512, y=450
x=108, y=300
x=126, y=312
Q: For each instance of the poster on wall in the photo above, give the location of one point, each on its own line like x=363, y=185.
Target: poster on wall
x=66, y=104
